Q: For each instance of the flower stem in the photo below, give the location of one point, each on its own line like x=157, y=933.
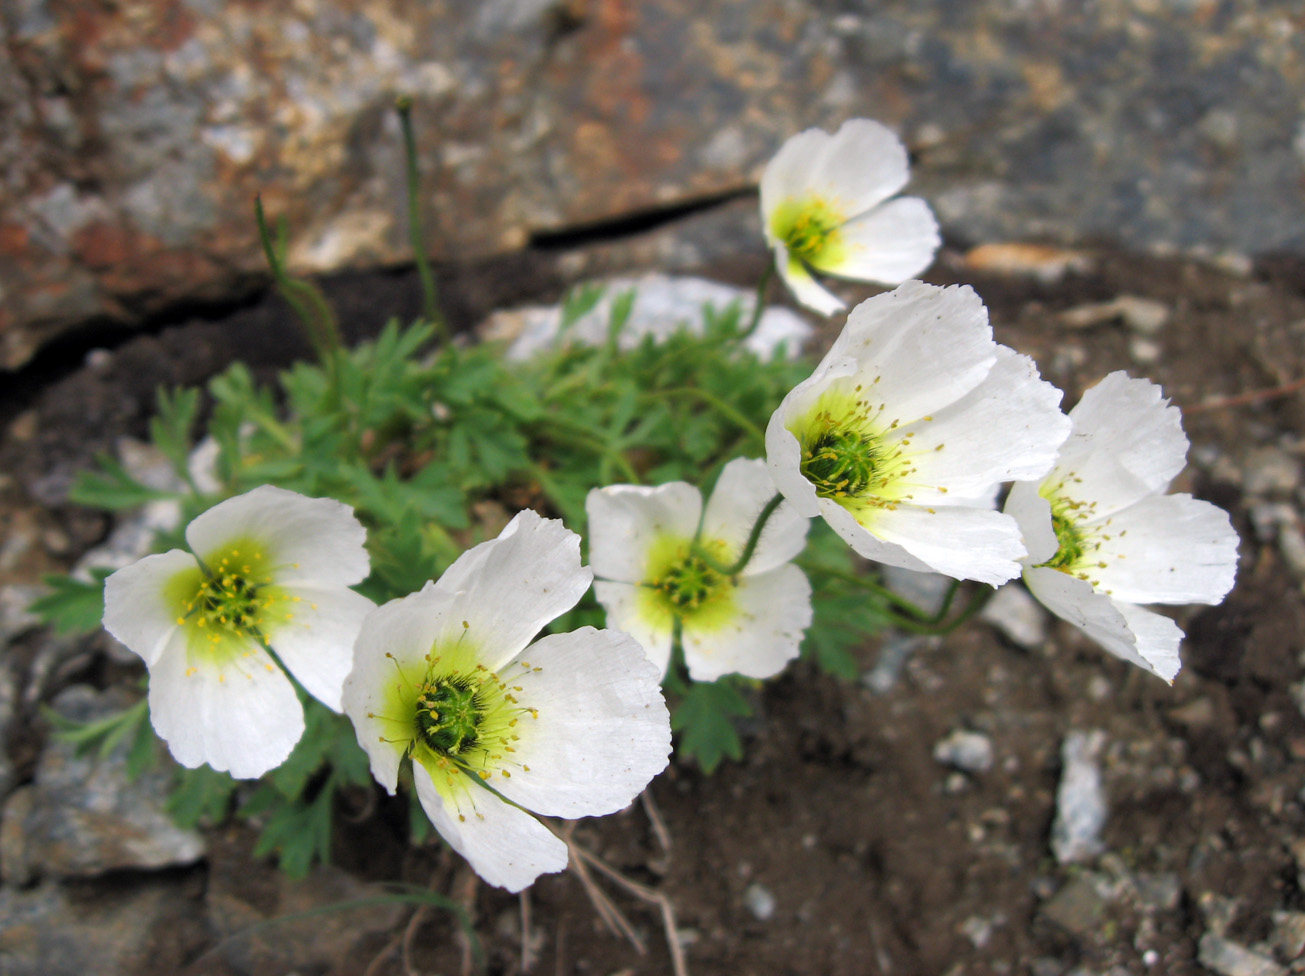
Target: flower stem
x=759, y=302
x=749, y=547
x=430, y=300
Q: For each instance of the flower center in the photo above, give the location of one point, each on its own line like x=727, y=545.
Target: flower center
x=689, y=583
x=450, y=711
x=1069, y=541
x=807, y=227
x=840, y=462
x=228, y=596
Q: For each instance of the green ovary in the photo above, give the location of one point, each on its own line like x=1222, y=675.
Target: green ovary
x=810, y=230
x=1069, y=543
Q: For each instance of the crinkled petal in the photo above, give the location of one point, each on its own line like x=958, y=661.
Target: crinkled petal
x=629, y=610
x=601, y=730
x=773, y=613
x=390, y=651
x=918, y=348
x=315, y=539
x=316, y=646
x=137, y=609
x=1033, y=513
x=1167, y=549
x=1008, y=428
x=506, y=846
x=809, y=292
x=532, y=571
x=241, y=716
x=625, y=521
x=1127, y=443
x=743, y=489
x=1138, y=636
x=964, y=543
x=889, y=244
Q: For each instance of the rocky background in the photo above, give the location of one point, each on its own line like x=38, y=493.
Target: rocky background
x=1124, y=183
x=135, y=134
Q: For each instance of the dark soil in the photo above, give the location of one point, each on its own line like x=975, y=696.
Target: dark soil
x=879, y=859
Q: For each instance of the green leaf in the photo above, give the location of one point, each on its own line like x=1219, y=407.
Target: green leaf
x=170, y=427
x=112, y=487
x=704, y=718
x=72, y=606
x=200, y=795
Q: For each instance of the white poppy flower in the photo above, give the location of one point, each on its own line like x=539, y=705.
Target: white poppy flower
x=640, y=545
x=905, y=431
x=573, y=725
x=1103, y=536
x=268, y=570
x=825, y=207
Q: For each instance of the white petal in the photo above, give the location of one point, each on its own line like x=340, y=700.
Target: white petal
x=1127, y=443
x=137, y=608
x=506, y=846
x=918, y=348
x=1137, y=636
x=627, y=610
x=510, y=587
x=388, y=654
x=787, y=174
x=242, y=717
x=602, y=730
x=866, y=544
x=315, y=539
x=743, y=489
x=964, y=543
x=1168, y=549
x=809, y=292
x=1033, y=513
x=889, y=244
x=317, y=645
x=863, y=164
x=774, y=611
x=1008, y=428
x=625, y=521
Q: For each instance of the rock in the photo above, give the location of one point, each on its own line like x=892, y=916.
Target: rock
x=1047, y=264
x=1230, y=959
x=138, y=135
x=15, y=618
x=893, y=653
x=82, y=816
x=1018, y=616
x=1080, y=799
x=662, y=304
x=1144, y=316
x=926, y=590
x=1289, y=934
x=47, y=932
x=759, y=902
x=1079, y=906
x=969, y=751
x=1144, y=351
x=1270, y=472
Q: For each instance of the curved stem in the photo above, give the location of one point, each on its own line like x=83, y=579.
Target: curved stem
x=759, y=306
x=430, y=300
x=749, y=547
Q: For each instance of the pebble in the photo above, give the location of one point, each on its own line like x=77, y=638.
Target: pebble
x=1046, y=263
x=893, y=654
x=1078, y=907
x=1080, y=799
x=926, y=590
x=969, y=751
x=759, y=902
x=1231, y=959
x=1018, y=616
x=1271, y=472
x=1289, y=934
x=1145, y=351
x=1144, y=316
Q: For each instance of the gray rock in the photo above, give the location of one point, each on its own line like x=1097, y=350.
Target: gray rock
x=926, y=590
x=1230, y=959
x=1080, y=799
x=44, y=932
x=1018, y=616
x=82, y=816
x=969, y=751
x=759, y=902
x=1270, y=472
x=893, y=654
x=1289, y=934
x=1079, y=906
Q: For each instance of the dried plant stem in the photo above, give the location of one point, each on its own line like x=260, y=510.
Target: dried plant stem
x=1247, y=398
